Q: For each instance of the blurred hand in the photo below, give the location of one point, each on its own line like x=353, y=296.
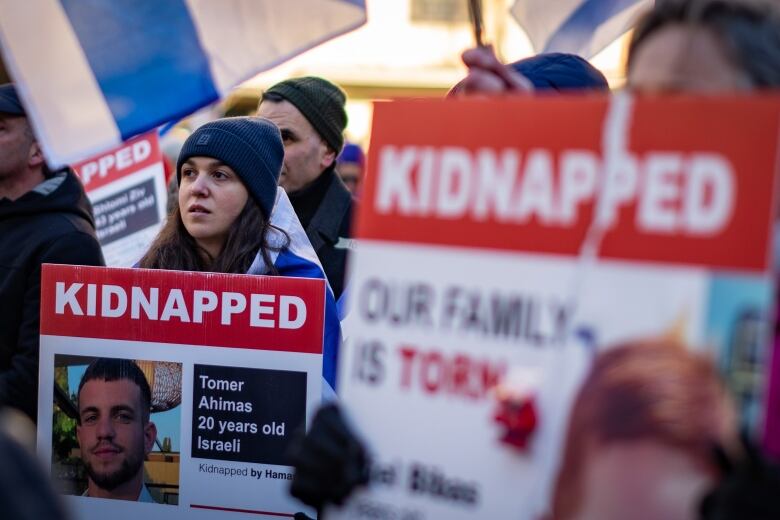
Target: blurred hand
x=487, y=75
x=330, y=462
x=748, y=490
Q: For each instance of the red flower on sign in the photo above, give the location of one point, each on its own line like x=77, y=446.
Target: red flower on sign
x=519, y=420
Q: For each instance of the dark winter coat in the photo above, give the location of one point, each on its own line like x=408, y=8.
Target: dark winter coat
x=325, y=211
x=51, y=224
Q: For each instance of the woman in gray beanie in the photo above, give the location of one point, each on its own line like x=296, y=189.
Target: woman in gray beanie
x=231, y=217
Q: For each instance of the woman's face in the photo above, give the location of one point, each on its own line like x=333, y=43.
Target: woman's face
x=684, y=58
x=211, y=196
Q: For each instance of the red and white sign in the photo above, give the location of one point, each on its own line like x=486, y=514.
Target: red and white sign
x=133, y=156
x=239, y=311
x=506, y=241
x=127, y=189
x=234, y=363
x=676, y=196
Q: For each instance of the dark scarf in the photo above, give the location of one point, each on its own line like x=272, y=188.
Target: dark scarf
x=306, y=200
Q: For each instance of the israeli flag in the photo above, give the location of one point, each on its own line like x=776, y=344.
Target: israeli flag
x=93, y=73
x=294, y=256
x=582, y=27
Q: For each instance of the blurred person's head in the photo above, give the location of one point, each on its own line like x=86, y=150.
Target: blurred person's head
x=561, y=72
x=26, y=491
x=706, y=46
x=113, y=429
x=641, y=434
x=22, y=164
x=350, y=165
x=170, y=145
x=553, y=72
x=310, y=114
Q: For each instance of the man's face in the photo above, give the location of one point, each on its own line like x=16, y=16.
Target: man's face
x=687, y=59
x=18, y=148
x=114, y=436
x=306, y=154
x=351, y=174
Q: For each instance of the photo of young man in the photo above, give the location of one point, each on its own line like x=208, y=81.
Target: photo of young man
x=114, y=429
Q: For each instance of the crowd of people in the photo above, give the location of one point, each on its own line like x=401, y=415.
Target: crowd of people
x=275, y=194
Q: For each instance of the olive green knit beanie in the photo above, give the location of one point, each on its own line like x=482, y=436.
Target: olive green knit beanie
x=321, y=103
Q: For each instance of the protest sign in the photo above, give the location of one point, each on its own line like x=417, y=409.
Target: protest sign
x=127, y=189
x=234, y=366
x=507, y=241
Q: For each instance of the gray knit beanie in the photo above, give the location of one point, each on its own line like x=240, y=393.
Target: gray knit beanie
x=251, y=146
x=321, y=103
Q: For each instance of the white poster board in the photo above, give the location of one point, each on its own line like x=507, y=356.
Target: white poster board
x=127, y=189
x=502, y=244
x=234, y=363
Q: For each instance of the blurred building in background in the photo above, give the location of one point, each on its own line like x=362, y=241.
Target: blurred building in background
x=408, y=48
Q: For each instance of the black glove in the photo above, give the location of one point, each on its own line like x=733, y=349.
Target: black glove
x=330, y=462
x=749, y=489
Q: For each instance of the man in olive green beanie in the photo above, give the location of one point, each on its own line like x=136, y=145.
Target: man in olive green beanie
x=310, y=114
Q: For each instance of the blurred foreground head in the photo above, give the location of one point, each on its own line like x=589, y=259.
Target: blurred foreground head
x=641, y=434
x=26, y=492
x=22, y=165
x=706, y=46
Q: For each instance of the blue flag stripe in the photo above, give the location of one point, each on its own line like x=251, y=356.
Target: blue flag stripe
x=290, y=264
x=171, y=75
x=575, y=33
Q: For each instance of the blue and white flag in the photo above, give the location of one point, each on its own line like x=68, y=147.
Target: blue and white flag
x=582, y=27
x=93, y=73
x=293, y=255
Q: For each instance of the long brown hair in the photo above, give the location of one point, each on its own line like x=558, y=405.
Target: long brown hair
x=174, y=248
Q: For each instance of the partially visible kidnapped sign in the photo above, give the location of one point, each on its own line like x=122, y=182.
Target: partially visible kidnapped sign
x=127, y=189
x=507, y=241
x=234, y=366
